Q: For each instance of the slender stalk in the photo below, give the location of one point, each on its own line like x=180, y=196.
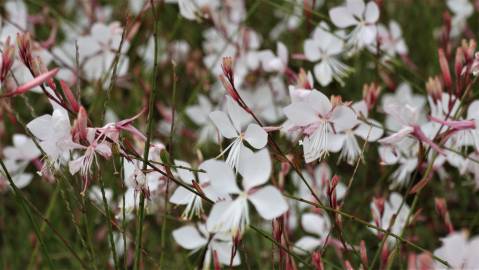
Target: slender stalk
x=151, y=110
x=108, y=216
x=21, y=201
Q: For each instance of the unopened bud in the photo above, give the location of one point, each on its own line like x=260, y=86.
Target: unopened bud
x=446, y=74
x=434, y=88
x=336, y=100
x=370, y=94
x=317, y=261
x=364, y=254
x=304, y=80
x=229, y=88
x=459, y=62
x=227, y=67
x=24, y=45
x=441, y=208
x=79, y=130
x=7, y=59
x=38, y=68
x=468, y=48
x=70, y=97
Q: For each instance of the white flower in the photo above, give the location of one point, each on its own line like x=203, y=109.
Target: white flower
x=362, y=17
x=325, y=48
x=193, y=202
x=232, y=216
x=462, y=10
x=316, y=224
x=391, y=207
x=199, y=114
x=274, y=63
x=96, y=146
x=16, y=169
x=391, y=40
x=23, y=149
x=53, y=134
x=403, y=153
x=194, y=238
x=459, y=251
x=370, y=132
x=319, y=121
x=232, y=126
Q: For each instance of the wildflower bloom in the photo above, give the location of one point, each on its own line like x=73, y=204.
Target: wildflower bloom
x=324, y=48
x=232, y=216
x=319, y=120
x=232, y=126
x=317, y=225
x=96, y=145
x=193, y=202
x=459, y=251
x=362, y=17
x=196, y=237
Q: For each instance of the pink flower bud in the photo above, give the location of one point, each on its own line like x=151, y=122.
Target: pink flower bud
x=7, y=59
x=229, y=88
x=79, y=130
x=24, y=44
x=317, y=262
x=33, y=83
x=370, y=94
x=434, y=88
x=363, y=253
x=446, y=74
x=70, y=97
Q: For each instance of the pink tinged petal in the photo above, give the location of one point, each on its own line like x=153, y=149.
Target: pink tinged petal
x=343, y=118
x=186, y=176
x=238, y=116
x=306, y=244
x=319, y=102
x=342, y=17
x=256, y=136
x=300, y=114
x=368, y=132
x=372, y=12
x=398, y=136
x=323, y=73
x=188, y=237
x=255, y=168
x=223, y=123
x=269, y=202
x=104, y=150
x=221, y=175
x=40, y=127
x=311, y=50
x=181, y=196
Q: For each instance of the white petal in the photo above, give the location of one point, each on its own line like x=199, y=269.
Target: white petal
x=188, y=237
x=221, y=121
x=319, y=102
x=223, y=250
x=311, y=50
x=40, y=127
x=315, y=224
x=341, y=17
x=370, y=132
x=185, y=175
x=269, y=202
x=238, y=116
x=323, y=73
x=306, y=244
x=335, y=142
x=181, y=196
x=372, y=12
x=356, y=7
x=256, y=136
x=396, y=137
x=343, y=118
x=300, y=114
x=255, y=168
x=221, y=175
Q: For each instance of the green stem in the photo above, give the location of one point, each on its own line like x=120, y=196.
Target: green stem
x=21, y=200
